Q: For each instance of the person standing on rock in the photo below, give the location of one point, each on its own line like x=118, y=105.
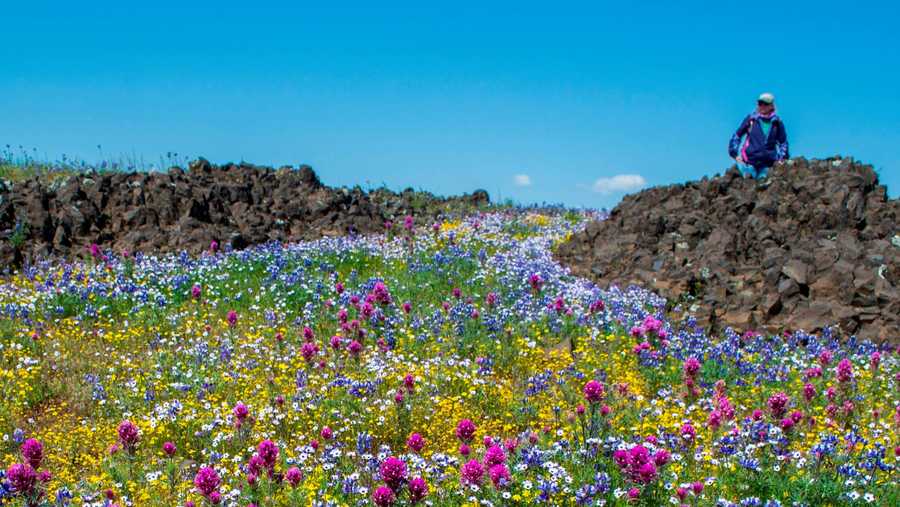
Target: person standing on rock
x=760, y=140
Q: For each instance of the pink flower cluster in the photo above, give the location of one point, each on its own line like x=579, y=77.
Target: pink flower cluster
x=207, y=482
x=536, y=282
x=394, y=474
x=691, y=369
x=593, y=391
x=465, y=430
x=415, y=442
x=778, y=404
x=24, y=477
x=240, y=413
x=845, y=371
x=639, y=464
x=129, y=435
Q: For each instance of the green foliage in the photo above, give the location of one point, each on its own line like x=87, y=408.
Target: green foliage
x=19, y=234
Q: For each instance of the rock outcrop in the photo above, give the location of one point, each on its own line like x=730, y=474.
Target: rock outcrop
x=815, y=246
x=185, y=210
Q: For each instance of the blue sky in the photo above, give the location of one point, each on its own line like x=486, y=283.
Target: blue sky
x=558, y=102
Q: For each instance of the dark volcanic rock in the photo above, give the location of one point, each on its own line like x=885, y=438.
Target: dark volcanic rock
x=185, y=210
x=818, y=246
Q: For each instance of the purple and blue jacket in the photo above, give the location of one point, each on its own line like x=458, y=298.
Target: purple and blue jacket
x=758, y=149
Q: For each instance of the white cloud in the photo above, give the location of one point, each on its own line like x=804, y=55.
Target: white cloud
x=522, y=180
x=619, y=183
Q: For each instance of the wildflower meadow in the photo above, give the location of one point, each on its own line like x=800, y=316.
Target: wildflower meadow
x=453, y=363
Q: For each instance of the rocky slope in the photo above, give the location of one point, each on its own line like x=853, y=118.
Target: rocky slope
x=818, y=246
x=236, y=205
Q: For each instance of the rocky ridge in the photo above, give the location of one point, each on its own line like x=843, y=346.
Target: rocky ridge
x=235, y=205
x=816, y=246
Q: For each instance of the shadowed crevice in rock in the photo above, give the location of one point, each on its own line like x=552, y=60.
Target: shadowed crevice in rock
x=817, y=246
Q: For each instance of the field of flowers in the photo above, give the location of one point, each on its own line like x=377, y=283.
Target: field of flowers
x=438, y=364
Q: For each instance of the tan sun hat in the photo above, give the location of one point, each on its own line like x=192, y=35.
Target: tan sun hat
x=766, y=98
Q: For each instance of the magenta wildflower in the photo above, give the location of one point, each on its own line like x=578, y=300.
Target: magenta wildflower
x=844, y=371
x=778, y=403
x=268, y=452
x=309, y=351
x=661, y=457
x=494, y=455
x=129, y=435
x=383, y=496
x=809, y=391
x=465, y=430
x=688, y=432
x=536, y=282
x=240, y=413
x=293, y=476
x=593, y=392
x=326, y=433
x=691, y=367
x=33, y=452
x=196, y=291
x=499, y=475
x=232, y=318
x=22, y=477
x=207, y=481
x=472, y=472
x=393, y=472
x=646, y=473
x=381, y=294
x=875, y=359
x=415, y=442
x=715, y=419
x=620, y=457
x=639, y=465
x=169, y=449
x=559, y=304
x=418, y=489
